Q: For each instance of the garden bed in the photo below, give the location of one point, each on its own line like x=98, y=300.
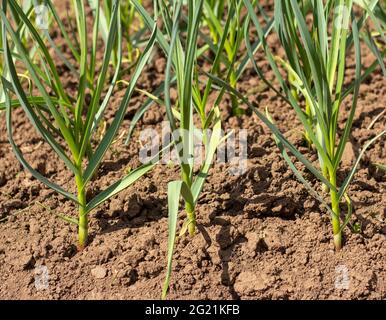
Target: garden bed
x=260, y=235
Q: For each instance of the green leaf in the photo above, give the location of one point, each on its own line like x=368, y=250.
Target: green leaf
x=297, y=173
x=60, y=117
x=381, y=166
x=113, y=129
x=118, y=186
x=215, y=141
x=151, y=24
x=174, y=192
x=140, y=112
x=350, y=119
x=20, y=157
x=104, y=26
x=91, y=119
x=35, y=34
x=64, y=217
x=17, y=88
x=350, y=176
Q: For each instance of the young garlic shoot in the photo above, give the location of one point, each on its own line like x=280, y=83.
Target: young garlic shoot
x=326, y=56
x=179, y=43
x=182, y=61
x=371, y=10
x=68, y=123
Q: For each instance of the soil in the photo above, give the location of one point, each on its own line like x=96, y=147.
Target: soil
x=260, y=235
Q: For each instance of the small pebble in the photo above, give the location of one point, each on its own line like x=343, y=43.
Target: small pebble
x=99, y=272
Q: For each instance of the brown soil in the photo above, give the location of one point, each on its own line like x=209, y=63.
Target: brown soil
x=261, y=235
